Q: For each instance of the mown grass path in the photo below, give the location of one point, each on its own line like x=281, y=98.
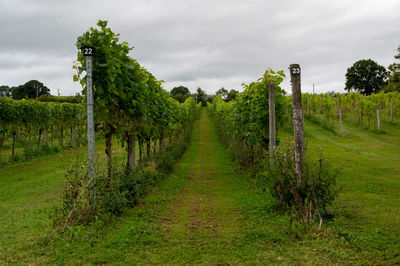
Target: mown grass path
x=203, y=220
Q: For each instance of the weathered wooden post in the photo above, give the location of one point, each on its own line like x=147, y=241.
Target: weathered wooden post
x=339, y=111
x=391, y=109
x=295, y=79
x=272, y=120
x=378, y=118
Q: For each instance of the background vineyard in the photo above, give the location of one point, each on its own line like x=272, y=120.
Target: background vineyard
x=29, y=128
x=369, y=112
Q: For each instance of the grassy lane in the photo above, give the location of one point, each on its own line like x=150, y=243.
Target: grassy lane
x=202, y=223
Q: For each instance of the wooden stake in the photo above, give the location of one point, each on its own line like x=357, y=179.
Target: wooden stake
x=272, y=122
x=378, y=118
x=391, y=109
x=295, y=79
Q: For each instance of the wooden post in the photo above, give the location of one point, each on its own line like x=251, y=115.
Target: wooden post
x=155, y=148
x=148, y=147
x=391, y=109
x=47, y=136
x=140, y=142
x=13, y=144
x=108, y=138
x=339, y=112
x=297, y=119
x=378, y=118
x=272, y=122
x=52, y=135
x=131, y=159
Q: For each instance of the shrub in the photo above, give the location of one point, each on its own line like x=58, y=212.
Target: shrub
x=135, y=184
x=86, y=198
x=308, y=200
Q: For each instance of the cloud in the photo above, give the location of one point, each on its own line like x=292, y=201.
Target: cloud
x=208, y=44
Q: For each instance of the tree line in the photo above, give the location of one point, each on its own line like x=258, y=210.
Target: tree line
x=32, y=89
x=181, y=93
x=35, y=89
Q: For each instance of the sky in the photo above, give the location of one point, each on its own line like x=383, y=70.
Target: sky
x=207, y=44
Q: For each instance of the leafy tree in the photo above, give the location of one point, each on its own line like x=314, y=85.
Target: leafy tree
x=201, y=96
x=32, y=89
x=5, y=91
x=180, y=93
x=394, y=77
x=223, y=92
x=179, y=90
x=366, y=76
x=232, y=94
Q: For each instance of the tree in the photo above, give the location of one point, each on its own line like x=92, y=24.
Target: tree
x=180, y=89
x=5, y=91
x=32, y=89
x=366, y=76
x=394, y=77
x=180, y=93
x=223, y=92
x=201, y=96
x=232, y=94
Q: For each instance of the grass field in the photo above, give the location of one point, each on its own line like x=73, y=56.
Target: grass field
x=207, y=211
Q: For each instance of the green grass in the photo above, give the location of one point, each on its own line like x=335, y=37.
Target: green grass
x=208, y=212
x=369, y=204
x=29, y=191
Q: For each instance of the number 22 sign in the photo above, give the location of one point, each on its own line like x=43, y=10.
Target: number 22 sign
x=87, y=51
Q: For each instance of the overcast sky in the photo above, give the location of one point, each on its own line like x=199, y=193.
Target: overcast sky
x=203, y=43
